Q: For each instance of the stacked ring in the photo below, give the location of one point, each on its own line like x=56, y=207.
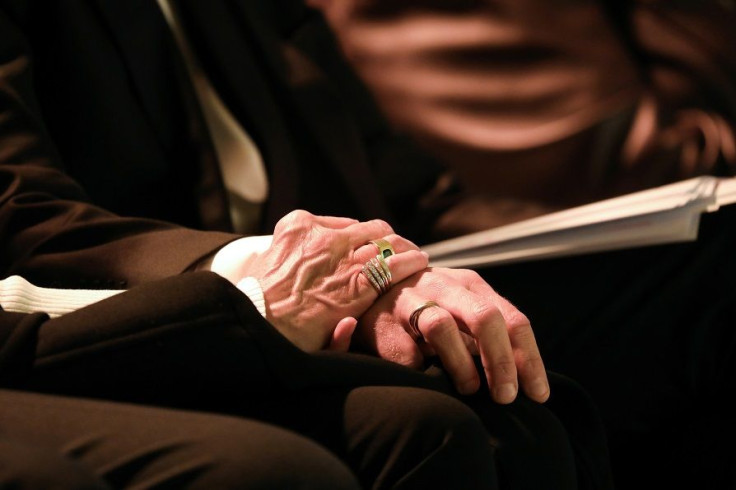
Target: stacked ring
x=378, y=274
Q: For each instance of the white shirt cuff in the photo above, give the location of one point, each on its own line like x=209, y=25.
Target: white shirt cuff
x=20, y=296
x=252, y=288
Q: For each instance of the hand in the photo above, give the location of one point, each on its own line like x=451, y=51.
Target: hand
x=311, y=274
x=471, y=318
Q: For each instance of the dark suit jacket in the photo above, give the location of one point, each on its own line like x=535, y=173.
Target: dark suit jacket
x=96, y=88
x=97, y=122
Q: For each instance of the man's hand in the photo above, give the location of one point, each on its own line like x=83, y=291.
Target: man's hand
x=311, y=275
x=471, y=318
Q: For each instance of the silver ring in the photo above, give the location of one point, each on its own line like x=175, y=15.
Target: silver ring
x=414, y=320
x=377, y=272
x=371, y=279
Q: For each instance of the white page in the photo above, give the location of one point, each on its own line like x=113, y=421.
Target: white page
x=671, y=226
x=661, y=215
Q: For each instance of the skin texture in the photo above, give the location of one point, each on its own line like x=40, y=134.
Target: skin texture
x=311, y=275
x=315, y=292
x=471, y=319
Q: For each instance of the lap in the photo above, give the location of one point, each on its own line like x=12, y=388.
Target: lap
x=463, y=440
x=30, y=467
x=129, y=445
x=399, y=437
x=209, y=360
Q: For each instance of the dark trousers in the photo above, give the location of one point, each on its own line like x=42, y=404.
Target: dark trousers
x=651, y=335
x=382, y=437
x=201, y=348
x=80, y=444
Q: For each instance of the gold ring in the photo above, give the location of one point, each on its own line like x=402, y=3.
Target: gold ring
x=384, y=247
x=378, y=274
x=414, y=320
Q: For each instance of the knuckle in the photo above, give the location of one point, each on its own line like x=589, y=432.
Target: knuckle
x=436, y=322
x=517, y=321
x=400, y=242
x=522, y=336
x=484, y=314
x=470, y=276
x=533, y=363
x=505, y=368
x=379, y=223
x=293, y=218
x=300, y=215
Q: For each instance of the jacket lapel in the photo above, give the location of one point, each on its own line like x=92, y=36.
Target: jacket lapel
x=244, y=60
x=145, y=43
x=158, y=77
x=317, y=105
x=229, y=61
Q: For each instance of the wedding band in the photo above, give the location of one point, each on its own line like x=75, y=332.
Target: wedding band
x=384, y=247
x=378, y=274
x=414, y=320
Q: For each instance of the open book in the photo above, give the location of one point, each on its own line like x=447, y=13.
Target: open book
x=666, y=214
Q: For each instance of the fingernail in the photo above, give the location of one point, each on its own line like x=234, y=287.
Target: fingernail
x=539, y=388
x=426, y=255
x=505, y=393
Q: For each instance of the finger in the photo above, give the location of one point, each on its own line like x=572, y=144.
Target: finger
x=401, y=266
x=361, y=233
x=398, y=243
x=529, y=364
x=484, y=321
x=532, y=375
x=342, y=334
x=335, y=222
x=470, y=343
x=405, y=264
x=468, y=340
x=441, y=332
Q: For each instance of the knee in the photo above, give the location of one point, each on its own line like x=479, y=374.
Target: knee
x=30, y=467
x=255, y=455
x=421, y=436
x=434, y=416
x=529, y=436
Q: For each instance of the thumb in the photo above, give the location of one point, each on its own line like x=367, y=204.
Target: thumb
x=342, y=334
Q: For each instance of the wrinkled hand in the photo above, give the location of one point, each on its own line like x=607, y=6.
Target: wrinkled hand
x=471, y=319
x=311, y=274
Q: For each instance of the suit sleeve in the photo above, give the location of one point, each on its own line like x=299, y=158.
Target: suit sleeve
x=191, y=341
x=50, y=232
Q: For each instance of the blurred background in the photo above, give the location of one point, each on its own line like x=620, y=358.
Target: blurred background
x=539, y=105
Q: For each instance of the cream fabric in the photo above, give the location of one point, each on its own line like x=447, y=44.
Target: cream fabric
x=241, y=164
x=20, y=296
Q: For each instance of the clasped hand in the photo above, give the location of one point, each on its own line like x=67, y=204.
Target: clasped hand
x=315, y=292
